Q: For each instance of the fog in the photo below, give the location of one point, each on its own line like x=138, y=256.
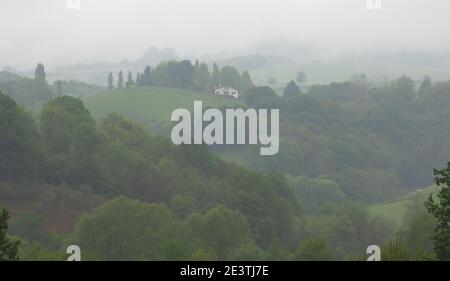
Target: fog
x=111, y=30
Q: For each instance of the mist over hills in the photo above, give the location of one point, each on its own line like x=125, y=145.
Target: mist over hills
x=285, y=53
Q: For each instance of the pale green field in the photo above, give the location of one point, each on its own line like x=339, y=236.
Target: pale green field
x=325, y=73
x=151, y=106
x=395, y=210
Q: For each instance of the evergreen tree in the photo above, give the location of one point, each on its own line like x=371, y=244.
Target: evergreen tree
x=130, y=81
x=39, y=73
x=8, y=249
x=181, y=74
x=291, y=90
x=120, y=80
x=426, y=86
x=138, y=79
x=441, y=211
x=215, y=78
x=246, y=82
x=146, y=77
x=202, y=77
x=110, y=81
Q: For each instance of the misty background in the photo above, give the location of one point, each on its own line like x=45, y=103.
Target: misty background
x=113, y=30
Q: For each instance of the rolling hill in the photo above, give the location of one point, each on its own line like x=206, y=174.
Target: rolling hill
x=151, y=106
x=395, y=210
x=325, y=73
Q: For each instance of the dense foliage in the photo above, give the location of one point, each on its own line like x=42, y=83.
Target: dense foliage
x=117, y=157
x=36, y=91
x=441, y=211
x=185, y=75
x=342, y=145
x=375, y=141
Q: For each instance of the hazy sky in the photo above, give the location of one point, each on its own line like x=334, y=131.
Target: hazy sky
x=109, y=30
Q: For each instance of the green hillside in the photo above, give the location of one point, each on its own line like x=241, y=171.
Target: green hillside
x=325, y=73
x=151, y=106
x=395, y=210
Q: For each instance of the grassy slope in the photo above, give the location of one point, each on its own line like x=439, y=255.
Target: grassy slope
x=395, y=210
x=150, y=106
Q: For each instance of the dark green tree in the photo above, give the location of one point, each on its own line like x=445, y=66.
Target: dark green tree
x=39, y=73
x=202, y=77
x=130, y=81
x=246, y=82
x=291, y=90
x=31, y=227
x=426, y=86
x=120, y=80
x=262, y=97
x=402, y=90
x=440, y=209
x=71, y=140
x=30, y=91
x=110, y=81
x=8, y=249
x=146, y=77
x=20, y=150
x=222, y=229
x=215, y=78
x=230, y=77
x=315, y=249
x=138, y=79
x=181, y=74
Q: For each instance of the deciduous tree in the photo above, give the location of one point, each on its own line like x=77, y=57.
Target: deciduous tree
x=440, y=209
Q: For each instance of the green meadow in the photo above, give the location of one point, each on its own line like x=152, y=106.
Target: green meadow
x=395, y=210
x=151, y=106
x=325, y=73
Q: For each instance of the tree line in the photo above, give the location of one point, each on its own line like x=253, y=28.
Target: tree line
x=185, y=75
x=35, y=91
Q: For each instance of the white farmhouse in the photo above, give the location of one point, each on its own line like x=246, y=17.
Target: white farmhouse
x=227, y=91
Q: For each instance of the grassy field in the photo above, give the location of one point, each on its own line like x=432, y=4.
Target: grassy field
x=395, y=210
x=325, y=73
x=151, y=106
